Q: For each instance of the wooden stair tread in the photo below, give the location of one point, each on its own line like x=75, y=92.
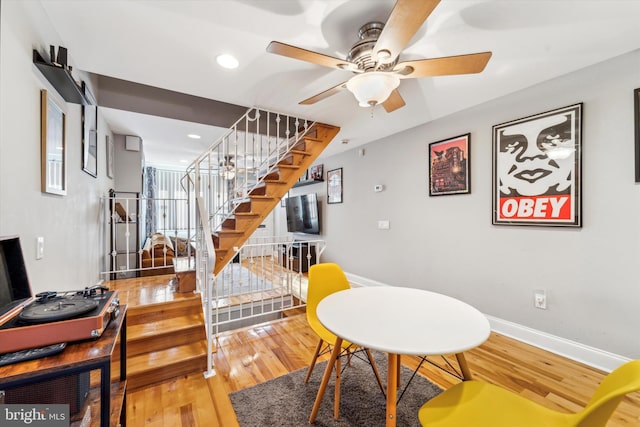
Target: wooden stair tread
x=245, y=214
x=155, y=312
x=229, y=232
x=301, y=152
x=163, y=358
x=164, y=326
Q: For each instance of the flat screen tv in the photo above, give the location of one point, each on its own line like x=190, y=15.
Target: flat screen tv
x=303, y=214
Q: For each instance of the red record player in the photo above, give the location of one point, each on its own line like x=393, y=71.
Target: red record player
x=59, y=317
x=51, y=317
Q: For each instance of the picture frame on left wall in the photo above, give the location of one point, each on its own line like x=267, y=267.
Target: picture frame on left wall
x=89, y=134
x=53, y=146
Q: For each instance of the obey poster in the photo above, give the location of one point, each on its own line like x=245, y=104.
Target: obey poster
x=536, y=169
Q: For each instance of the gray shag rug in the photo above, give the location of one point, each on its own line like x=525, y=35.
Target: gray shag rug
x=287, y=401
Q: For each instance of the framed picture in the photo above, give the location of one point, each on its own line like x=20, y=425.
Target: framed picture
x=636, y=119
x=53, y=146
x=334, y=186
x=449, y=166
x=89, y=134
x=537, y=169
x=110, y=153
x=315, y=172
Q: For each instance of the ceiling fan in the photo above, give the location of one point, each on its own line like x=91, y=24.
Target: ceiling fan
x=375, y=58
x=231, y=164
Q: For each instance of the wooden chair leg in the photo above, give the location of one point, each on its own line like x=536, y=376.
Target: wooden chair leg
x=313, y=361
x=375, y=369
x=336, y=396
x=335, y=354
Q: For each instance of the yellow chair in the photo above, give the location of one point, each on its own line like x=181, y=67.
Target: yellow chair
x=478, y=404
x=325, y=279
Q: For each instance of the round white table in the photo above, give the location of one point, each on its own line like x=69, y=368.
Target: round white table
x=398, y=321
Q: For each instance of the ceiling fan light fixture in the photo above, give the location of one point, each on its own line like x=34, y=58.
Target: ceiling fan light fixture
x=228, y=173
x=372, y=88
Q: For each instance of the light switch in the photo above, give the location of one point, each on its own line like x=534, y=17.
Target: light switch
x=383, y=224
x=40, y=248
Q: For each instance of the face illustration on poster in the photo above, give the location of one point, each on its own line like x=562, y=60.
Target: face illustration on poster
x=537, y=157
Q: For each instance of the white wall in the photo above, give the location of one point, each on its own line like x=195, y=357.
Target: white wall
x=69, y=224
x=448, y=244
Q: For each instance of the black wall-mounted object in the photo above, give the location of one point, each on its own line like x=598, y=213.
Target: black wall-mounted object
x=62, y=56
x=61, y=79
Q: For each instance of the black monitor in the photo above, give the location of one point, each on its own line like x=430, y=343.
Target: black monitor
x=15, y=291
x=303, y=214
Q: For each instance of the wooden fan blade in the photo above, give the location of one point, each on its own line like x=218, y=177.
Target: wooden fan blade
x=310, y=56
x=447, y=66
x=322, y=95
x=393, y=102
x=406, y=18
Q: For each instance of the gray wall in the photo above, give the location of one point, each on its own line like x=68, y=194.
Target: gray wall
x=128, y=166
x=447, y=243
x=69, y=224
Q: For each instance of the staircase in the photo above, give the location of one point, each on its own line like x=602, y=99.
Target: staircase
x=247, y=215
x=165, y=339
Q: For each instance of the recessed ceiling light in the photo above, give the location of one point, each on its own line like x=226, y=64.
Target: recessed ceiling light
x=227, y=61
x=194, y=136
x=184, y=161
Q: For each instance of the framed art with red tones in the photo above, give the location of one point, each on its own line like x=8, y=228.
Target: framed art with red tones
x=449, y=166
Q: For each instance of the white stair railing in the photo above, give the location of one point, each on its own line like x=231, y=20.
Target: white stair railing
x=240, y=159
x=263, y=279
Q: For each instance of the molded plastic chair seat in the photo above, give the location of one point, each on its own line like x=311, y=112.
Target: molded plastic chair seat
x=479, y=404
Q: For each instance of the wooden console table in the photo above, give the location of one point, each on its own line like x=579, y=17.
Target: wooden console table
x=84, y=356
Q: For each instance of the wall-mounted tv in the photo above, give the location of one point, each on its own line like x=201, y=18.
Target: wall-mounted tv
x=303, y=214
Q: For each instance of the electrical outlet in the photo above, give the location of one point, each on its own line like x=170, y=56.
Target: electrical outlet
x=540, y=299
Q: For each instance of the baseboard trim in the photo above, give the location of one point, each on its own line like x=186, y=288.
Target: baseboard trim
x=594, y=357
x=591, y=356
x=362, y=281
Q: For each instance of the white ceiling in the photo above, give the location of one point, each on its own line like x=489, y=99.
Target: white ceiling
x=172, y=44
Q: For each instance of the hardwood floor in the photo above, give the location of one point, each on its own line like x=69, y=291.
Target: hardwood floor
x=252, y=355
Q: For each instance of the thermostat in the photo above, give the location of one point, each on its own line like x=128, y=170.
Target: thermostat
x=378, y=188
